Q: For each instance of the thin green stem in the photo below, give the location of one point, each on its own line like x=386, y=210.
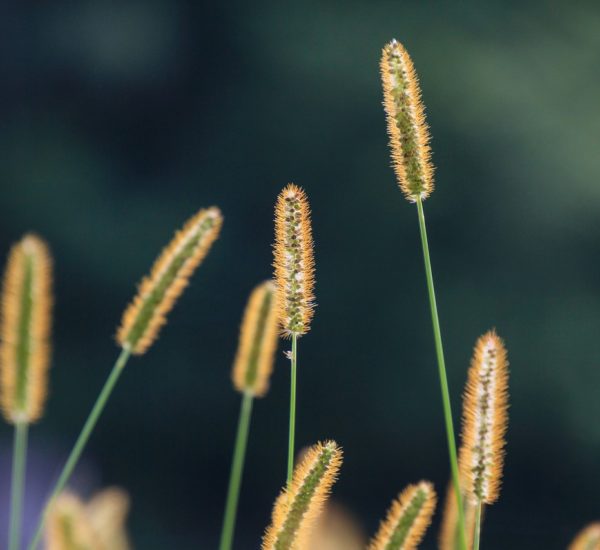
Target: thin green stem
x=439, y=350
x=237, y=468
x=477, y=526
x=18, y=484
x=292, y=432
x=84, y=435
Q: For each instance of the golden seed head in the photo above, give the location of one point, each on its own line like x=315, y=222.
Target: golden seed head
x=258, y=340
x=68, y=525
x=294, y=262
x=296, y=510
x=96, y=525
x=485, y=419
x=26, y=322
x=170, y=274
x=449, y=533
x=407, y=129
x=337, y=529
x=588, y=538
x=407, y=519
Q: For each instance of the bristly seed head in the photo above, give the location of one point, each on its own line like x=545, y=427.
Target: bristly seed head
x=485, y=419
x=407, y=519
x=407, y=129
x=26, y=322
x=449, y=538
x=170, y=274
x=294, y=261
x=297, y=509
x=588, y=538
x=258, y=340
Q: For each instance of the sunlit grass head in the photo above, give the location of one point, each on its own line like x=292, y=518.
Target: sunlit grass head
x=449, y=538
x=407, y=519
x=258, y=340
x=26, y=321
x=298, y=507
x=294, y=261
x=588, y=538
x=407, y=129
x=170, y=274
x=485, y=419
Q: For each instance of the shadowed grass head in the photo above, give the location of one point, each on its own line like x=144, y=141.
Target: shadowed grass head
x=26, y=321
x=407, y=129
x=294, y=261
x=170, y=274
x=258, y=340
x=297, y=508
x=485, y=419
x=407, y=519
x=588, y=538
x=449, y=533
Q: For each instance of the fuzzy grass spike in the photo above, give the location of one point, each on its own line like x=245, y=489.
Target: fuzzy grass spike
x=298, y=507
x=588, y=538
x=258, y=340
x=407, y=129
x=449, y=532
x=407, y=519
x=26, y=319
x=170, y=274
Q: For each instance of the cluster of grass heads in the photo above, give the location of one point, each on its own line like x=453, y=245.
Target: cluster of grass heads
x=302, y=518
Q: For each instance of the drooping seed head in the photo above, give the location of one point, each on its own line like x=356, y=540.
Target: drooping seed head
x=296, y=510
x=485, y=419
x=588, y=538
x=407, y=519
x=294, y=261
x=449, y=533
x=258, y=340
x=68, y=526
x=407, y=129
x=26, y=322
x=170, y=274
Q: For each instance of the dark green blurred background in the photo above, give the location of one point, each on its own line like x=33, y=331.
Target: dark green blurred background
x=119, y=120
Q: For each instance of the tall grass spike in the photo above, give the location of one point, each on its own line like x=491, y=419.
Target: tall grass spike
x=26, y=323
x=170, y=274
x=588, y=538
x=407, y=519
x=298, y=508
x=258, y=340
x=69, y=526
x=294, y=261
x=485, y=419
x=407, y=129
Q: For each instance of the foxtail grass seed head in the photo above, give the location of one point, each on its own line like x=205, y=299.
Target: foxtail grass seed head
x=407, y=519
x=450, y=531
x=107, y=512
x=258, y=340
x=407, y=129
x=170, y=274
x=294, y=262
x=485, y=419
x=25, y=332
x=337, y=529
x=68, y=525
x=588, y=538
x=298, y=508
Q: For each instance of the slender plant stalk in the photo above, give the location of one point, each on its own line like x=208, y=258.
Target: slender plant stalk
x=237, y=468
x=18, y=484
x=292, y=432
x=477, y=526
x=439, y=350
x=83, y=438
